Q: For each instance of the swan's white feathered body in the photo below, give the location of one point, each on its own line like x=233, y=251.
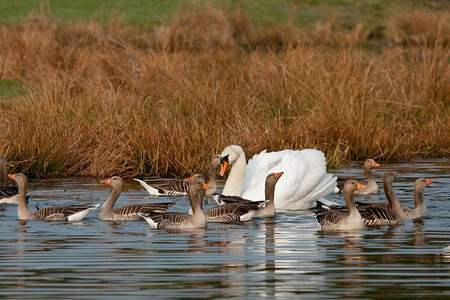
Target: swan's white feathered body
x=304, y=181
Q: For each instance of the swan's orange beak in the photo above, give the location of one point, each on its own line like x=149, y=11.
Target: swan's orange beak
x=278, y=175
x=374, y=164
x=360, y=186
x=223, y=168
x=429, y=181
x=106, y=181
x=12, y=176
x=206, y=186
x=189, y=179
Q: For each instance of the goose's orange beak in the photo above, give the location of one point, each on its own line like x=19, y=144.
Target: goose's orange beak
x=278, y=175
x=360, y=186
x=12, y=176
x=106, y=181
x=206, y=186
x=374, y=164
x=430, y=181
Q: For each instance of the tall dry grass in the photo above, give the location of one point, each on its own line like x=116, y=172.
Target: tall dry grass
x=110, y=99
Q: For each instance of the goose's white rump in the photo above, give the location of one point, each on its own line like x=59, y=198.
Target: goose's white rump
x=304, y=181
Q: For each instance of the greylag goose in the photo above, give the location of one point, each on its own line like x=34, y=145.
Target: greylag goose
x=419, y=210
x=305, y=179
x=372, y=186
x=378, y=214
x=8, y=194
x=129, y=212
x=180, y=221
x=340, y=219
x=258, y=208
x=269, y=209
x=54, y=213
x=158, y=186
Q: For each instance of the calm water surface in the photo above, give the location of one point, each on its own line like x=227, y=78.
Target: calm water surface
x=283, y=257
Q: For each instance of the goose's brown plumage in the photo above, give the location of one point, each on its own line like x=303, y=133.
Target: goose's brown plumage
x=180, y=221
x=55, y=213
x=129, y=212
x=158, y=186
x=378, y=214
x=8, y=194
x=372, y=186
x=347, y=218
x=269, y=209
x=236, y=212
x=419, y=210
x=234, y=208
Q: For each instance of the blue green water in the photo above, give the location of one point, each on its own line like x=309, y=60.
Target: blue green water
x=285, y=257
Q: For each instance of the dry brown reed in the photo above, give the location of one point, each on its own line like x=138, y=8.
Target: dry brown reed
x=110, y=99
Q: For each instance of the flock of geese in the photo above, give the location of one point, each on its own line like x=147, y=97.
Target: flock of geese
x=269, y=181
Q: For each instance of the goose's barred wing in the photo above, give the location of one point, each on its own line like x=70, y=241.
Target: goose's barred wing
x=168, y=186
x=8, y=191
x=169, y=220
x=329, y=218
x=59, y=213
x=233, y=199
x=142, y=208
x=377, y=216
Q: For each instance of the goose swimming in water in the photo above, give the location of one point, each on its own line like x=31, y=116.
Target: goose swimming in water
x=158, y=186
x=343, y=219
x=54, y=213
x=129, y=212
x=372, y=186
x=180, y=221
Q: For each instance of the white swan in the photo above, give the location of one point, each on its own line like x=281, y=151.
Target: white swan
x=305, y=179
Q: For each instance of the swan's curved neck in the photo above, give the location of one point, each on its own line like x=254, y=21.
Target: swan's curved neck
x=233, y=186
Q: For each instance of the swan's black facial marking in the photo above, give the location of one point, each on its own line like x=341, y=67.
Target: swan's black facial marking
x=224, y=159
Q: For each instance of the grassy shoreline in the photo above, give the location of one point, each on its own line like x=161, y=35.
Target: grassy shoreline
x=102, y=99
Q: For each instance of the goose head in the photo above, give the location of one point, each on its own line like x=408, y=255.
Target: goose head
x=421, y=183
x=215, y=162
x=115, y=181
x=388, y=178
x=352, y=185
x=370, y=163
x=197, y=182
x=19, y=178
x=272, y=178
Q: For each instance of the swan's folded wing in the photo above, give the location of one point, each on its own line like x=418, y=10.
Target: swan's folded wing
x=304, y=180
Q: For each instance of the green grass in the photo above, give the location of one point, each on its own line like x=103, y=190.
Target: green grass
x=10, y=88
x=347, y=13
